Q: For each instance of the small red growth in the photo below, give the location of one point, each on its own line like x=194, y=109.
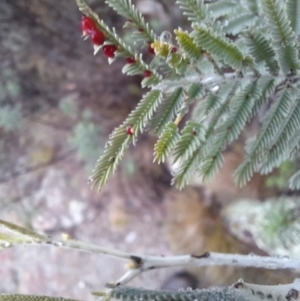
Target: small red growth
x=147, y=73
x=174, y=49
x=129, y=130
x=141, y=29
x=130, y=60
x=151, y=49
x=109, y=50
x=89, y=27
x=97, y=37
x=87, y=24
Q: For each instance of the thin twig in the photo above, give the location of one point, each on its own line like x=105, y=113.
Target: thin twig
x=12, y=235
x=147, y=262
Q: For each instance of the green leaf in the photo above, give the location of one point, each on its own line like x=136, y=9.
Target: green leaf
x=284, y=39
x=240, y=22
x=294, y=181
x=126, y=9
x=274, y=154
x=195, y=90
x=240, y=111
x=187, y=45
x=194, y=9
x=256, y=145
x=119, y=140
x=185, y=171
x=191, y=137
x=267, y=87
x=210, y=166
x=166, y=142
x=221, y=8
x=19, y=297
x=219, y=46
x=253, y=6
x=133, y=69
x=11, y=235
x=261, y=50
x=16, y=230
x=167, y=110
x=144, y=111
x=114, y=151
x=293, y=13
x=215, y=100
x=216, y=115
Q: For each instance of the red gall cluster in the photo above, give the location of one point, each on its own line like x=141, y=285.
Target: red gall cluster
x=129, y=130
x=109, y=50
x=89, y=28
x=151, y=49
x=130, y=60
x=174, y=49
x=147, y=73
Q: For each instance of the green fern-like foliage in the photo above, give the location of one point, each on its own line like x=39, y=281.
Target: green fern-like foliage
x=239, y=60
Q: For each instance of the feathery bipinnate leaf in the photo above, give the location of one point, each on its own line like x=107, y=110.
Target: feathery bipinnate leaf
x=214, y=100
x=187, y=45
x=167, y=110
x=294, y=181
x=185, y=171
x=283, y=36
x=253, y=6
x=256, y=145
x=240, y=22
x=215, y=294
x=190, y=139
x=219, y=46
x=275, y=152
x=11, y=234
x=120, y=139
x=19, y=297
x=240, y=111
x=195, y=10
x=166, y=142
x=221, y=8
x=144, y=111
x=293, y=13
x=107, y=164
x=123, y=49
x=210, y=166
x=187, y=168
x=195, y=90
x=216, y=115
x=267, y=87
x=235, y=292
x=261, y=50
x=126, y=9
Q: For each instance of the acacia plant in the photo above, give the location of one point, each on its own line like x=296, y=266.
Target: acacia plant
x=238, y=60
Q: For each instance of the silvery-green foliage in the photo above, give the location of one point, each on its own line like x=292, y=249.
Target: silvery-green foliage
x=238, y=58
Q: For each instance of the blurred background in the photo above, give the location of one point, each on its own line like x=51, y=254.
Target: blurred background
x=58, y=104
